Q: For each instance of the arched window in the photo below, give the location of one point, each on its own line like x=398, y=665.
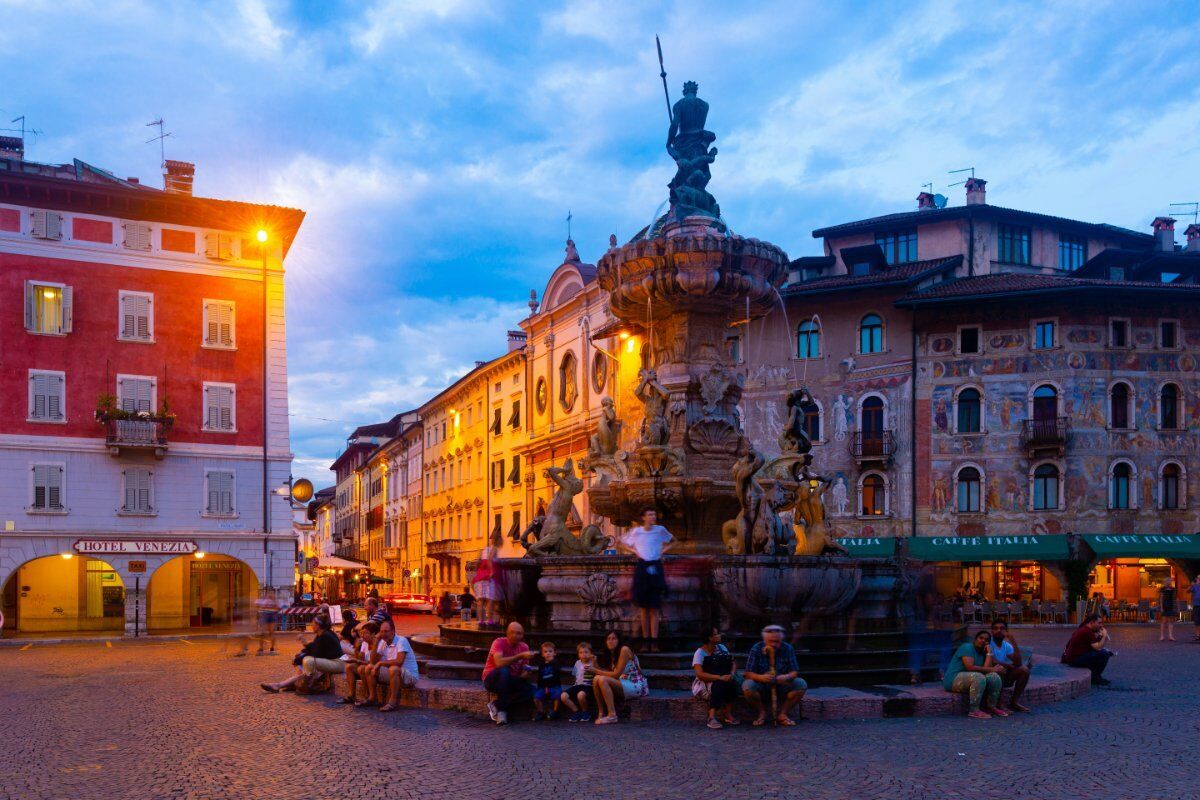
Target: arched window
x=1169, y=486
x=969, y=411
x=1045, y=403
x=568, y=381
x=808, y=340
x=1118, y=406
x=870, y=426
x=874, y=496
x=870, y=334
x=812, y=421
x=1045, y=488
x=1168, y=407
x=969, y=490
x=1119, y=487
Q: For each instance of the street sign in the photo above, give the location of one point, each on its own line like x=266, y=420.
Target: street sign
x=137, y=566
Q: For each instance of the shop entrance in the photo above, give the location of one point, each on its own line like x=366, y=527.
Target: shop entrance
x=64, y=594
x=199, y=591
x=216, y=588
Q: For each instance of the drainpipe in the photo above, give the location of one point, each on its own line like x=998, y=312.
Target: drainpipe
x=913, y=424
x=970, y=248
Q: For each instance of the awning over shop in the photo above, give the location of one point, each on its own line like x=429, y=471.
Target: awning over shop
x=870, y=546
x=378, y=579
x=989, y=548
x=1131, y=545
x=333, y=562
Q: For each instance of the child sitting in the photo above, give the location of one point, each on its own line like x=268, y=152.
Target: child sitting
x=549, y=685
x=576, y=697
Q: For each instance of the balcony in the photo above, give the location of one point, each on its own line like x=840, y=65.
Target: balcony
x=442, y=548
x=391, y=554
x=1045, y=435
x=136, y=435
x=873, y=447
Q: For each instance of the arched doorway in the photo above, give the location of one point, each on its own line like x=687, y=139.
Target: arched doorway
x=202, y=590
x=64, y=594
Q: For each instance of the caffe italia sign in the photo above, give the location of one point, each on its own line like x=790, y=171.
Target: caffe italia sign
x=988, y=548
x=135, y=547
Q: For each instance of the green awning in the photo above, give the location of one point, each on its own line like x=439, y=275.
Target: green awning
x=870, y=546
x=989, y=548
x=1131, y=545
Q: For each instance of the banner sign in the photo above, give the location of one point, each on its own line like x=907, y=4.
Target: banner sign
x=134, y=547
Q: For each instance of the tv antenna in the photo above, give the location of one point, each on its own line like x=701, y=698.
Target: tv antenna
x=162, y=135
x=928, y=187
x=662, y=73
x=957, y=171
x=23, y=131
x=1189, y=210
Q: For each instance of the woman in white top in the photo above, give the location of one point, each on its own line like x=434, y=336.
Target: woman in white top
x=487, y=592
x=357, y=662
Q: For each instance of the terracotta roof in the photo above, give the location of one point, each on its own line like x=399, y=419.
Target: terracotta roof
x=899, y=274
x=1013, y=283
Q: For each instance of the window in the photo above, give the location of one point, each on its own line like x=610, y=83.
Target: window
x=219, y=324
x=137, y=235
x=1118, y=406
x=812, y=421
x=47, y=307
x=1044, y=334
x=873, y=494
x=970, y=404
x=1045, y=403
x=496, y=415
x=969, y=482
x=1169, y=487
x=968, y=339
x=137, y=316
x=1119, y=482
x=514, y=419
x=220, y=408
x=1014, y=244
x=899, y=247
x=47, y=396
x=138, y=491
x=45, y=225
x=514, y=475
x=497, y=474
x=860, y=269
x=808, y=340
x=1118, y=333
x=218, y=492
x=47, y=488
x=870, y=334
x=1168, y=335
x=1168, y=407
x=218, y=246
x=136, y=393
x=1045, y=488
x=1072, y=252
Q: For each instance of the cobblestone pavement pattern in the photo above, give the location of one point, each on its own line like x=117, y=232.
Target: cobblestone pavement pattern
x=179, y=720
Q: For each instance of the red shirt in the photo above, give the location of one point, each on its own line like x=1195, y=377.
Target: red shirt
x=1079, y=644
x=501, y=647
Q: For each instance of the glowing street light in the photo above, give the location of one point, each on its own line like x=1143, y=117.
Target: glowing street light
x=261, y=236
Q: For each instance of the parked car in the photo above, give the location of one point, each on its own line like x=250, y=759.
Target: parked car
x=410, y=602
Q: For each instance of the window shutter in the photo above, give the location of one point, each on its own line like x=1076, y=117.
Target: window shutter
x=220, y=492
x=225, y=401
x=54, y=396
x=38, y=410
x=514, y=421
x=225, y=324
x=218, y=246
x=141, y=307
x=137, y=236
x=131, y=490
x=143, y=395
x=39, y=486
x=67, y=312
x=54, y=487
x=212, y=323
x=128, y=317
x=46, y=225
x=29, y=300
x=135, y=317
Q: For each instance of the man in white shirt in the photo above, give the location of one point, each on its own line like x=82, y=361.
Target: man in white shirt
x=396, y=666
x=648, y=542
x=1007, y=654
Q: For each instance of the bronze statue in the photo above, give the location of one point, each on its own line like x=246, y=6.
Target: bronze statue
x=655, y=430
x=736, y=532
x=604, y=441
x=809, y=518
x=554, y=537
x=794, y=439
x=688, y=143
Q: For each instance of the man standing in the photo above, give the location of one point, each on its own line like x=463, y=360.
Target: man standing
x=395, y=667
x=1015, y=665
x=648, y=542
x=1086, y=649
x=504, y=672
x=466, y=602
x=771, y=672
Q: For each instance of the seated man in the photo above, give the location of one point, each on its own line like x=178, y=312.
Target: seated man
x=322, y=655
x=1015, y=665
x=395, y=666
x=504, y=672
x=763, y=682
x=1086, y=649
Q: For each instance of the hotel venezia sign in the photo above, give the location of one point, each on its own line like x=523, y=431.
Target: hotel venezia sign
x=138, y=547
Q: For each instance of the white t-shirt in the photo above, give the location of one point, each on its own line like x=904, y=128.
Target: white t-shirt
x=579, y=669
x=364, y=650
x=390, y=651
x=647, y=543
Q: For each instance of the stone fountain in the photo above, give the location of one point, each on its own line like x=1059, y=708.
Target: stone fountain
x=752, y=543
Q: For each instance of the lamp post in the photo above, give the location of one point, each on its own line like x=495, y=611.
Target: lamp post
x=262, y=237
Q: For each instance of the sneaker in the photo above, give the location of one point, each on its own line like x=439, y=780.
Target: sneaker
x=715, y=724
x=492, y=712
x=585, y=717
x=576, y=717
x=501, y=718
x=538, y=717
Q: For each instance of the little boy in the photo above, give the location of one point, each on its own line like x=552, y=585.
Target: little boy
x=549, y=685
x=576, y=697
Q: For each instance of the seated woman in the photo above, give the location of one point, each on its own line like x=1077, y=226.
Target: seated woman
x=618, y=677
x=323, y=654
x=973, y=672
x=357, y=663
x=716, y=679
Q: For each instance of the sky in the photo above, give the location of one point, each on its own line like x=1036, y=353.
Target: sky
x=437, y=146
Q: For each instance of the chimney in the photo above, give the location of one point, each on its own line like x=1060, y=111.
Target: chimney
x=976, y=191
x=1164, y=234
x=516, y=340
x=925, y=201
x=12, y=147
x=178, y=176
x=133, y=180
x=1193, y=238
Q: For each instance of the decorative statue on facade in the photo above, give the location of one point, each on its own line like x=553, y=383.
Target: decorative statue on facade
x=655, y=430
x=554, y=537
x=688, y=143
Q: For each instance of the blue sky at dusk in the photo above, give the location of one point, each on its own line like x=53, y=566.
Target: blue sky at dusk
x=438, y=145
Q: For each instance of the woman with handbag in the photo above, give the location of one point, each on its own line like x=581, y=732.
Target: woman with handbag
x=486, y=590
x=716, y=680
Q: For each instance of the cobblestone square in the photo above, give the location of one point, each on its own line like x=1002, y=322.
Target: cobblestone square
x=186, y=720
